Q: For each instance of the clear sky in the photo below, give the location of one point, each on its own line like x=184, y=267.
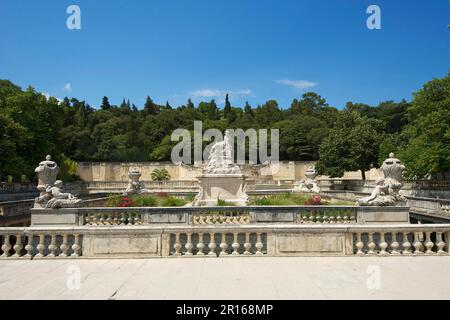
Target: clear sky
x=253, y=49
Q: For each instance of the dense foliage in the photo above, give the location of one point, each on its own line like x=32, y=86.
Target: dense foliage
x=357, y=137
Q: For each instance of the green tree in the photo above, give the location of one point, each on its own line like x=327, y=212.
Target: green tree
x=428, y=150
x=352, y=145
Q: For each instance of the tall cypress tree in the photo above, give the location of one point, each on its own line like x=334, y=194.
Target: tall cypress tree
x=227, y=109
x=105, y=103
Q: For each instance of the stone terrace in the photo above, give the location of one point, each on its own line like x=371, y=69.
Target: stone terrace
x=419, y=278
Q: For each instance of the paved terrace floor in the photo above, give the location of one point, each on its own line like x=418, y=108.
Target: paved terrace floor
x=228, y=278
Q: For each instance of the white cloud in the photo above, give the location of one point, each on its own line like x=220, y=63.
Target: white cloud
x=216, y=93
x=68, y=88
x=298, y=84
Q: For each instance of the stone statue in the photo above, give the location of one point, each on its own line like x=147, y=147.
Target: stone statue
x=47, y=172
x=134, y=185
x=60, y=199
x=220, y=158
x=308, y=185
x=387, y=190
x=51, y=190
x=221, y=178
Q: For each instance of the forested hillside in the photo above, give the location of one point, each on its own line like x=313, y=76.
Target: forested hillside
x=357, y=137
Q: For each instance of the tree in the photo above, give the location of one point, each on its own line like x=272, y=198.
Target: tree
x=311, y=102
x=352, y=145
x=427, y=152
x=227, y=108
x=150, y=108
x=105, y=104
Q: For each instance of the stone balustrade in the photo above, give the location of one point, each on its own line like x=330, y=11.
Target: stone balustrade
x=29, y=243
x=423, y=240
x=219, y=215
x=218, y=244
x=225, y=240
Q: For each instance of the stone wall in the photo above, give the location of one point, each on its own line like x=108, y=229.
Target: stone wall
x=114, y=171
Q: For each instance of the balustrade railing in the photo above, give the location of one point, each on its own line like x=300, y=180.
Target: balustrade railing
x=218, y=244
x=327, y=216
x=112, y=218
x=423, y=240
x=226, y=240
x=26, y=243
x=221, y=217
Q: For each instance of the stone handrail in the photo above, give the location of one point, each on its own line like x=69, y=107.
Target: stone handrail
x=208, y=215
x=224, y=240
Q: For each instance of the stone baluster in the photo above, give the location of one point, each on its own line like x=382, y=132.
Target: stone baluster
x=29, y=247
x=332, y=219
x=188, y=246
x=64, y=247
x=212, y=245
x=406, y=245
x=325, y=217
x=18, y=246
x=195, y=218
x=102, y=219
x=94, y=219
x=352, y=219
x=394, y=244
x=6, y=246
x=235, y=244
x=359, y=244
x=52, y=246
x=208, y=218
x=116, y=218
x=138, y=219
x=304, y=218
x=428, y=243
x=41, y=246
x=383, y=245
x=338, y=218
x=440, y=244
x=311, y=217
x=371, y=245
x=346, y=220
x=76, y=246
x=223, y=245
x=247, y=244
x=177, y=245
x=122, y=218
x=109, y=219
x=200, y=245
x=318, y=217
x=259, y=244
x=418, y=243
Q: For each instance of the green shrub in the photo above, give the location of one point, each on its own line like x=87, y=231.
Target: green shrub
x=172, y=202
x=190, y=197
x=145, y=201
x=160, y=175
x=223, y=203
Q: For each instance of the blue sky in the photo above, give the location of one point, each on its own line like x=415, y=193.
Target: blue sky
x=254, y=49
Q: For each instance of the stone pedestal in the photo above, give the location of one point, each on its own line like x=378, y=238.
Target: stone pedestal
x=227, y=187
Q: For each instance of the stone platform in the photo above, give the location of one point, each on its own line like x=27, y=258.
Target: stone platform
x=239, y=278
